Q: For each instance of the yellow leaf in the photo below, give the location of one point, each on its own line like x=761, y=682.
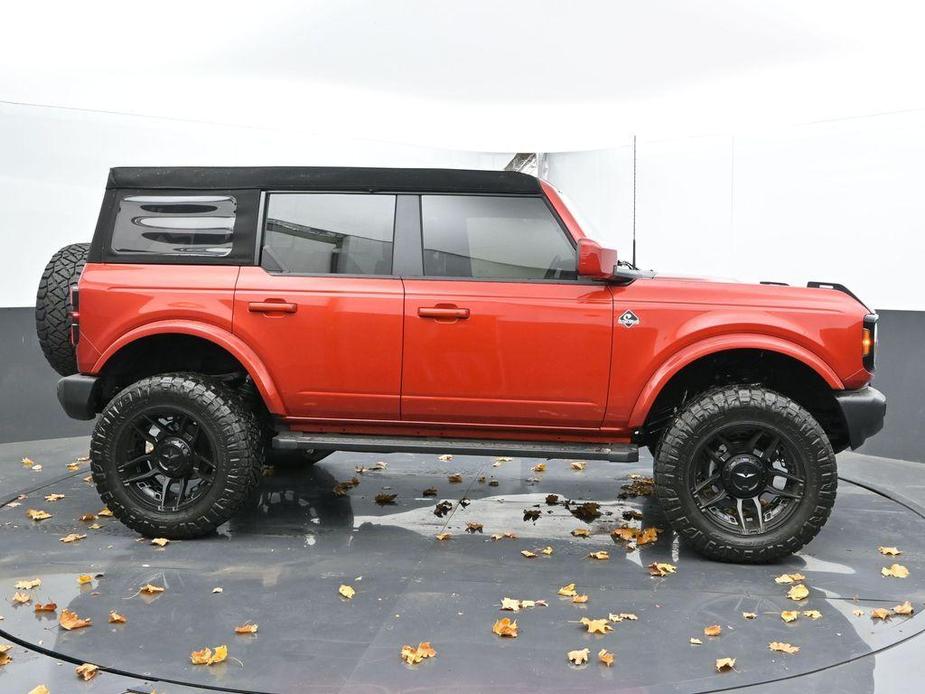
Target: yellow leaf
x=347, y=591
x=857, y=613
x=782, y=647
x=568, y=591
x=578, y=657
x=5, y=658
x=625, y=534
x=712, y=630
x=789, y=615
x=812, y=614
x=246, y=629
x=21, y=598
x=623, y=615
x=84, y=579
x=510, y=604
x=504, y=627
x=603, y=555
x=413, y=656
x=790, y=578
x=580, y=599
x=895, y=571
x=72, y=467
x=889, y=551
x=104, y=512
x=581, y=532
x=547, y=550
x=116, y=618
x=444, y=536
x=446, y=457
x=95, y=526
x=86, y=672
x=28, y=585
x=28, y=462
x=503, y=459
x=578, y=466
x=504, y=536
x=73, y=537
x=596, y=626
x=661, y=569
x=539, y=467
x=41, y=689
x=798, y=592
x=527, y=553
x=904, y=609
x=203, y=657
x=69, y=620
x=160, y=541
x=696, y=642
x=148, y=589
x=54, y=497
x=749, y=615
x=605, y=657
x=880, y=613
x=37, y=515
x=725, y=664
x=45, y=607
x=646, y=536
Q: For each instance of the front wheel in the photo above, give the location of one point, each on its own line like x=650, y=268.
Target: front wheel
x=176, y=455
x=745, y=474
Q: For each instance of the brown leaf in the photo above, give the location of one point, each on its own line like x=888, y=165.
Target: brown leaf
x=384, y=499
x=602, y=555
x=473, y=527
x=539, y=467
x=346, y=591
x=889, y=551
x=37, y=515
x=69, y=620
x=430, y=491
x=568, y=591
x=443, y=508
x=72, y=467
x=29, y=584
x=21, y=598
x=661, y=569
x=246, y=629
x=54, y=497
x=605, y=657
x=790, y=578
x=580, y=599
x=528, y=554
x=881, y=613
x=789, y=615
x=895, y=571
x=116, y=618
x=207, y=656
x=725, y=664
x=5, y=658
x=149, y=589
x=749, y=615
x=904, y=609
x=552, y=499
x=531, y=514
x=504, y=536
x=73, y=537
x=596, y=626
x=577, y=465
x=86, y=672
x=455, y=478
x=782, y=647
x=443, y=536
x=624, y=534
x=712, y=630
x=45, y=607
x=579, y=657
x=581, y=532
x=160, y=541
x=798, y=592
x=505, y=628
x=88, y=517
x=647, y=536
x=413, y=656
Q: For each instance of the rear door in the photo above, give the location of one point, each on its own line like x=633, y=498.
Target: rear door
x=498, y=329
x=323, y=310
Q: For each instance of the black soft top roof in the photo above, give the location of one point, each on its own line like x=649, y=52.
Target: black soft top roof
x=321, y=178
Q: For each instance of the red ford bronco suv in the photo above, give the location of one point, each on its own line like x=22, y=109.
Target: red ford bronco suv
x=220, y=310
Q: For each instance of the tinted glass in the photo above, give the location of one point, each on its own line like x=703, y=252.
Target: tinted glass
x=322, y=233
x=494, y=238
x=175, y=225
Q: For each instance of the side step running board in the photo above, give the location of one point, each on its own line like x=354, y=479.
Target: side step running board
x=615, y=452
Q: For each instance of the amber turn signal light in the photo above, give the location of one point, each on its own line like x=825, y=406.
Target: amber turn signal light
x=867, y=342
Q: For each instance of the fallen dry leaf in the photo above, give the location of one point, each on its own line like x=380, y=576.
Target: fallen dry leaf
x=346, y=591
x=246, y=629
x=160, y=541
x=504, y=536
x=116, y=618
x=725, y=664
x=624, y=534
x=904, y=609
x=596, y=626
x=605, y=657
x=72, y=467
x=580, y=599
x=568, y=591
x=54, y=497
x=579, y=657
x=384, y=499
x=86, y=672
x=104, y=512
x=218, y=589
x=857, y=613
x=505, y=628
x=712, y=630
x=588, y=511
x=21, y=598
x=445, y=457
x=473, y=527
x=443, y=508
x=503, y=459
x=789, y=615
x=602, y=555
x=790, y=578
x=510, y=604
x=443, y=536
x=29, y=584
x=5, y=657
x=28, y=462
x=455, y=478
x=69, y=620
x=581, y=532
x=148, y=589
x=430, y=491
x=95, y=526
x=647, y=536
x=578, y=465
x=661, y=569
x=749, y=615
x=881, y=613
x=539, y=467
x=552, y=499
x=623, y=615
x=547, y=550
x=45, y=607
x=73, y=537
x=889, y=551
x=413, y=656
x=812, y=614
x=895, y=571
x=37, y=514
x=207, y=656
x=782, y=647
x=527, y=553
x=84, y=579
x=798, y=592
x=695, y=642
x=531, y=514
x=41, y=689
x=87, y=517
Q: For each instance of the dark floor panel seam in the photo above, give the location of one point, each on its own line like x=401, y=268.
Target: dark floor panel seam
x=32, y=490
x=887, y=494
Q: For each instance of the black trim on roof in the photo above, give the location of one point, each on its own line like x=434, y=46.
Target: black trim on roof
x=322, y=178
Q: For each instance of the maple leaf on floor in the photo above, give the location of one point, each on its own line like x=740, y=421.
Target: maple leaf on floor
x=443, y=508
x=413, y=656
x=45, y=607
x=596, y=626
x=812, y=614
x=580, y=599
x=5, y=657
x=528, y=554
x=605, y=656
x=790, y=578
x=725, y=664
x=37, y=514
x=552, y=499
x=749, y=615
x=443, y=537
x=798, y=592
x=629, y=616
x=29, y=584
x=455, y=478
x=384, y=499
x=207, y=656
x=881, y=613
x=104, y=513
x=579, y=657
x=510, y=604
x=624, y=534
x=789, y=615
x=148, y=589
x=21, y=598
x=160, y=541
x=602, y=555
x=69, y=620
x=54, y=497
x=588, y=511
x=473, y=528
x=547, y=550
x=712, y=630
x=86, y=672
x=581, y=532
x=904, y=609
x=346, y=591
x=73, y=537
x=246, y=629
x=782, y=647
x=505, y=628
x=539, y=467
x=661, y=569
x=87, y=517
x=84, y=579
x=28, y=462
x=568, y=591
x=895, y=571
x=857, y=613
x=446, y=457
x=430, y=491
x=577, y=465
x=647, y=536
x=116, y=618
x=889, y=551
x=695, y=642
x=531, y=514
x=503, y=459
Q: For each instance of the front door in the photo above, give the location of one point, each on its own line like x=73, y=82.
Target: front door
x=323, y=311
x=499, y=330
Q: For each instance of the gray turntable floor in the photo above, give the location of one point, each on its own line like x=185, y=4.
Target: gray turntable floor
x=280, y=562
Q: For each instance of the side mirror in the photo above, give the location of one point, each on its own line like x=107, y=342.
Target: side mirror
x=594, y=261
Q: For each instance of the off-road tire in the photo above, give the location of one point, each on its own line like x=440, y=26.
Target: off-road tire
x=238, y=458
x=728, y=404
x=52, y=323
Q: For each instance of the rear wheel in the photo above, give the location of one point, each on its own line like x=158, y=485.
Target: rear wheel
x=745, y=474
x=176, y=455
x=52, y=322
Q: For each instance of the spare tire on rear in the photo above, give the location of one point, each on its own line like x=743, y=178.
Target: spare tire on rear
x=52, y=322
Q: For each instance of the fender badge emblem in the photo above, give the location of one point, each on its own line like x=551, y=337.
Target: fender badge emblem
x=628, y=319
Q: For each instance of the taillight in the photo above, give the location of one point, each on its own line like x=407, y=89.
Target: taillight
x=869, y=341
x=74, y=300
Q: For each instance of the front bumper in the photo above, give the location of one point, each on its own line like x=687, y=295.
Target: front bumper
x=863, y=411
x=79, y=396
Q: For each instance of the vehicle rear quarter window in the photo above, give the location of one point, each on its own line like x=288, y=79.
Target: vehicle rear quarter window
x=175, y=225
x=329, y=233
x=485, y=237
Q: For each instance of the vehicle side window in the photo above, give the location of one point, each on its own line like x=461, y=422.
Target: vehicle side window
x=329, y=233
x=175, y=225
x=487, y=237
